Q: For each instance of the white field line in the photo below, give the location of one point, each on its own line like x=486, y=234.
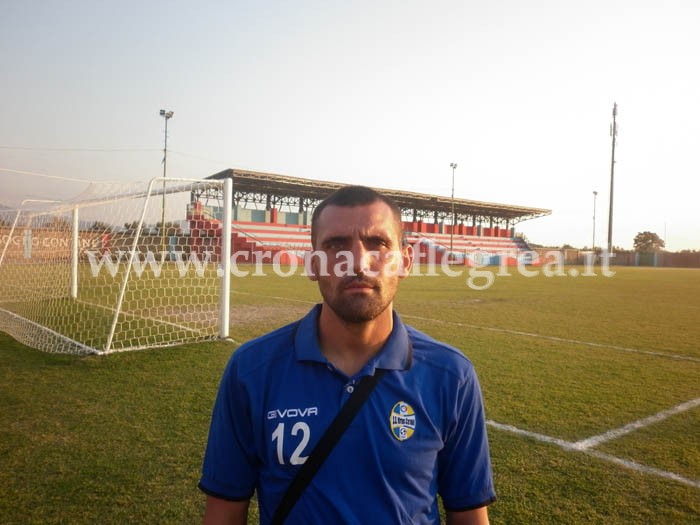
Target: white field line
x=571, y=447
x=635, y=425
x=87, y=349
x=558, y=339
x=567, y=445
x=290, y=299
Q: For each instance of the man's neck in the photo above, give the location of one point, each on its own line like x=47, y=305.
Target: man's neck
x=349, y=346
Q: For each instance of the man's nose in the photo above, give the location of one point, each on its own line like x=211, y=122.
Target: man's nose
x=362, y=258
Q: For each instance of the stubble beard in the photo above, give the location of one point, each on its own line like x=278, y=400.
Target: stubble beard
x=358, y=308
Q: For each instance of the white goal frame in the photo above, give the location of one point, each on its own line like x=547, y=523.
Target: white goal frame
x=34, y=333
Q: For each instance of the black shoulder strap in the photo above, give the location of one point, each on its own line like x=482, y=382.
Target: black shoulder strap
x=325, y=445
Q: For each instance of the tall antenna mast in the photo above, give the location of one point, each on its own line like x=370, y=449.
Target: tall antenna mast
x=613, y=134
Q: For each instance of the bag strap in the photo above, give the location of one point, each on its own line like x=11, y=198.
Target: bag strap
x=325, y=445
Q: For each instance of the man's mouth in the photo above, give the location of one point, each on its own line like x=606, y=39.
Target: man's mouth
x=356, y=284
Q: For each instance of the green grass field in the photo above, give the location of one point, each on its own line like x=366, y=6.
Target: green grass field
x=561, y=360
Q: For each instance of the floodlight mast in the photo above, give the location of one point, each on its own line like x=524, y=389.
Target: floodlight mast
x=167, y=115
x=613, y=134
x=595, y=196
x=453, y=165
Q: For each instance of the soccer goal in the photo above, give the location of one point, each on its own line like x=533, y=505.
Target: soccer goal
x=119, y=267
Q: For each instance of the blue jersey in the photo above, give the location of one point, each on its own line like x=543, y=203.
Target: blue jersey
x=421, y=432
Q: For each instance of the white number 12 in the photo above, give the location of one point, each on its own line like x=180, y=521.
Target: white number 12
x=278, y=436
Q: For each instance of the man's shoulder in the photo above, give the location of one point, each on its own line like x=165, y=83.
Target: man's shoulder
x=432, y=353
x=263, y=350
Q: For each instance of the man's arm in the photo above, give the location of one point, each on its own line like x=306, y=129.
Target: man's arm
x=223, y=512
x=478, y=516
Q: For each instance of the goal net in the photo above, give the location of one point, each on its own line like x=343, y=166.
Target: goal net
x=119, y=267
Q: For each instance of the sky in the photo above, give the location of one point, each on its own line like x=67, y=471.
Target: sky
x=383, y=93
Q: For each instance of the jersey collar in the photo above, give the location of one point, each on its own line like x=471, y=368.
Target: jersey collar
x=394, y=355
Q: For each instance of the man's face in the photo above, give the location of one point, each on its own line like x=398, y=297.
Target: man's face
x=364, y=260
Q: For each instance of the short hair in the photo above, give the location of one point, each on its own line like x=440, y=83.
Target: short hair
x=351, y=196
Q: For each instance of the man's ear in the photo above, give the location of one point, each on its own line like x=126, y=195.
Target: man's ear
x=406, y=261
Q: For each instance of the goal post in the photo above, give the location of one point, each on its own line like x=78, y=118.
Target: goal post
x=225, y=295
x=75, y=253
x=120, y=267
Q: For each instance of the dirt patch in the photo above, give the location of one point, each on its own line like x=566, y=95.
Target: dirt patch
x=275, y=315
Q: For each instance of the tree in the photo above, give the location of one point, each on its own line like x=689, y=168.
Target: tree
x=648, y=242
x=99, y=226
x=131, y=227
x=59, y=224
x=171, y=228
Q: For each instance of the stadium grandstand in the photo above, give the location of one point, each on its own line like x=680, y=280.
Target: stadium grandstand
x=272, y=215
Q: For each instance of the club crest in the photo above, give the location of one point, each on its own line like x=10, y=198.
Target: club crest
x=402, y=421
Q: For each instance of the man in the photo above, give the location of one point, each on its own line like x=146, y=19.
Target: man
x=421, y=431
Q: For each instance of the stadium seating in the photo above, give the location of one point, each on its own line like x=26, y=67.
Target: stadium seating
x=287, y=243
x=469, y=250
x=291, y=241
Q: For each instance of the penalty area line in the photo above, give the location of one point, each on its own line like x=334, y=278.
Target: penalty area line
x=635, y=425
x=289, y=299
x=572, y=447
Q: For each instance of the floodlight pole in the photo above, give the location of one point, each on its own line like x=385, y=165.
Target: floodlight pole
x=613, y=134
x=595, y=196
x=167, y=115
x=453, y=165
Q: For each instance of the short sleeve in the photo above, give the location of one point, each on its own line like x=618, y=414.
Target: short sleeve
x=465, y=480
x=230, y=469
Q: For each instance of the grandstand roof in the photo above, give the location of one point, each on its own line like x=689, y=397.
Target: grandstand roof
x=417, y=204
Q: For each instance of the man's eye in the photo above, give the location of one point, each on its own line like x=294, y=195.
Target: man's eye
x=377, y=243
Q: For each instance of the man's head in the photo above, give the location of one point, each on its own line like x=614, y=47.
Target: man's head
x=359, y=255
x=352, y=196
